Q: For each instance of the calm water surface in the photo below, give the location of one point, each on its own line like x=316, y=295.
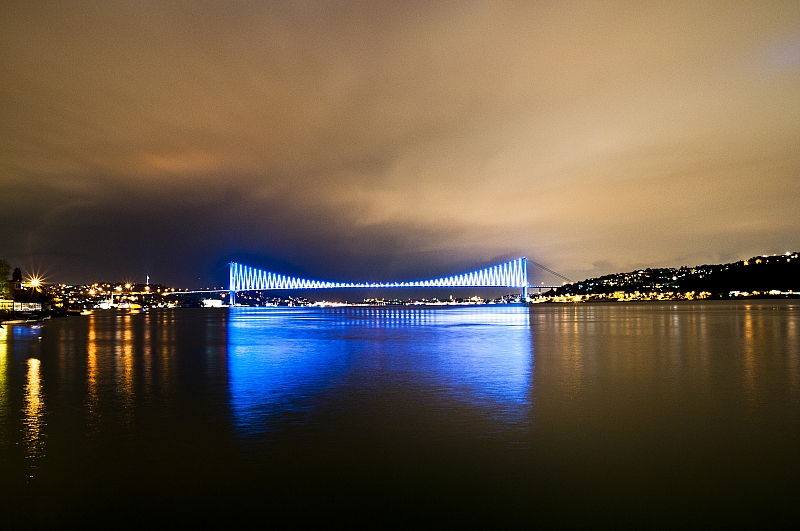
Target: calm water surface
x=654, y=414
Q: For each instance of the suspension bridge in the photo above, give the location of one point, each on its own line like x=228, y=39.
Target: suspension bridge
x=511, y=274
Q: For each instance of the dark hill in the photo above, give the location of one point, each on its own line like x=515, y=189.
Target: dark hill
x=758, y=274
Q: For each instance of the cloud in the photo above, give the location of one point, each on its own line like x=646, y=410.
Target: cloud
x=377, y=138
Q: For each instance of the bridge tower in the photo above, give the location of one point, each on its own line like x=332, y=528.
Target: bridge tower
x=524, y=296
x=232, y=293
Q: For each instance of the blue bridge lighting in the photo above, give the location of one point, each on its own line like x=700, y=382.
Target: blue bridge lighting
x=511, y=274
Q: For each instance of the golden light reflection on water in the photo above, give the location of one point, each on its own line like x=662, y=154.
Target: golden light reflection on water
x=33, y=411
x=635, y=350
x=125, y=367
x=703, y=349
x=653, y=349
x=91, y=372
x=567, y=356
x=3, y=387
x=165, y=353
x=749, y=351
x=574, y=357
x=768, y=348
x=147, y=356
x=793, y=344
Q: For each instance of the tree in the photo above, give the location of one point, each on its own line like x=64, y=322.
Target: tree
x=16, y=276
x=5, y=288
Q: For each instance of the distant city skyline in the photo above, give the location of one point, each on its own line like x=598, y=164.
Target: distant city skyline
x=393, y=140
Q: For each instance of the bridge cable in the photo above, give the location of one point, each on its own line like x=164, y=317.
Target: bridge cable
x=537, y=264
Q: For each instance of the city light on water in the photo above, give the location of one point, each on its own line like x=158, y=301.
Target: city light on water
x=33, y=421
x=4, y=437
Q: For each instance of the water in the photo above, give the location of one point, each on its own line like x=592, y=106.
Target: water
x=656, y=414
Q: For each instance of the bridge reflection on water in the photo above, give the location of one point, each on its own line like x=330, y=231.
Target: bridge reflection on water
x=289, y=361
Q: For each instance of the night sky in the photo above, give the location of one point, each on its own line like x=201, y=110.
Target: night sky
x=388, y=140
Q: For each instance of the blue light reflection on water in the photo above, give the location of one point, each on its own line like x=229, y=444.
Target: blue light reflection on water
x=282, y=361
x=278, y=360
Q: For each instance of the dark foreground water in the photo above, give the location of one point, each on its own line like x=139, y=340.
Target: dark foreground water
x=654, y=414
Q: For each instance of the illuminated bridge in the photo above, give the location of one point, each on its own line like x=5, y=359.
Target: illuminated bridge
x=512, y=274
